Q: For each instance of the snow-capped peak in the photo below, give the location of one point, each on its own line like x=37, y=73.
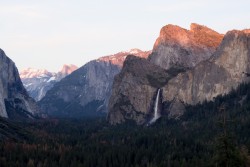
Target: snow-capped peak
x=34, y=73
x=134, y=51
x=38, y=81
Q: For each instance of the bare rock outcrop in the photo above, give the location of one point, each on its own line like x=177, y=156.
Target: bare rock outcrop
x=177, y=46
x=220, y=74
x=188, y=79
x=14, y=100
x=134, y=90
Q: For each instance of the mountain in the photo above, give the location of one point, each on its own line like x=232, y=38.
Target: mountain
x=134, y=89
x=38, y=81
x=14, y=100
x=177, y=46
x=220, y=74
x=224, y=70
x=87, y=89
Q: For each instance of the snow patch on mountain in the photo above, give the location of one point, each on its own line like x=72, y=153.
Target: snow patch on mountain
x=38, y=81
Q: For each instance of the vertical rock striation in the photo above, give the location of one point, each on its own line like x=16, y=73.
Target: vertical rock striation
x=14, y=100
x=134, y=89
x=195, y=71
x=220, y=74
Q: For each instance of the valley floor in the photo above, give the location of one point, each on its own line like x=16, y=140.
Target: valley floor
x=199, y=138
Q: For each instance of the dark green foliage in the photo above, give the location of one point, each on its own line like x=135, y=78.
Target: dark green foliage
x=196, y=139
x=13, y=131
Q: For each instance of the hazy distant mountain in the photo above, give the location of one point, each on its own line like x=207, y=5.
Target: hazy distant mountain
x=14, y=100
x=38, y=81
x=87, y=89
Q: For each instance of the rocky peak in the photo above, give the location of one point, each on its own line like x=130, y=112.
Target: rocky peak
x=205, y=36
x=134, y=51
x=219, y=75
x=34, y=73
x=194, y=27
x=246, y=31
x=135, y=87
x=119, y=58
x=68, y=69
x=172, y=34
x=177, y=46
x=38, y=81
x=233, y=53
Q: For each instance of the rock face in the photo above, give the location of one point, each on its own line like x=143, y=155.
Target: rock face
x=86, y=90
x=134, y=90
x=67, y=69
x=14, y=100
x=37, y=81
x=220, y=74
x=133, y=94
x=179, y=47
x=176, y=50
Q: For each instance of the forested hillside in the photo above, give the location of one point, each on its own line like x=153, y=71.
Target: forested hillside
x=209, y=134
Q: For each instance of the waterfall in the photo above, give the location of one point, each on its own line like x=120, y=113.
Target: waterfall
x=156, y=113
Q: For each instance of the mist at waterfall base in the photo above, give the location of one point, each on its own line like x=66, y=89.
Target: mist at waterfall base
x=156, y=113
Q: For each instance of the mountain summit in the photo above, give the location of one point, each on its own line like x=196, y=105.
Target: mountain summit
x=68, y=69
x=38, y=81
x=223, y=72
x=180, y=47
x=119, y=58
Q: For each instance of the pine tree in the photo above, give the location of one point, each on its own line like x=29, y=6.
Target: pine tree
x=227, y=154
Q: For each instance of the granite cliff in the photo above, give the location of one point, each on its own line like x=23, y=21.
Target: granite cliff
x=220, y=71
x=14, y=100
x=87, y=90
x=134, y=90
x=177, y=46
x=223, y=72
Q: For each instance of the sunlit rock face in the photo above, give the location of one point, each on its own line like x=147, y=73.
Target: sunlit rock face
x=179, y=47
x=182, y=81
x=221, y=73
x=176, y=50
x=14, y=100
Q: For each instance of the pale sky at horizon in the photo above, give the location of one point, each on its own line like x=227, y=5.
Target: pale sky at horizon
x=47, y=34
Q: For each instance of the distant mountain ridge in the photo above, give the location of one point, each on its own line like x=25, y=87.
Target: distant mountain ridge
x=38, y=81
x=119, y=58
x=86, y=90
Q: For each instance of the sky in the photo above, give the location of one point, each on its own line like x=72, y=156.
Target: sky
x=49, y=33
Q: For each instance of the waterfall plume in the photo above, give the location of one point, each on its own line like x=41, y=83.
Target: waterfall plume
x=156, y=112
